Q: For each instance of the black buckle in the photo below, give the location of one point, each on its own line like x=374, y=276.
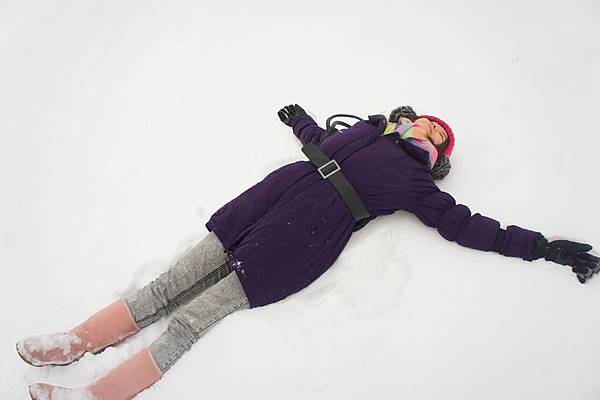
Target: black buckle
x=336, y=168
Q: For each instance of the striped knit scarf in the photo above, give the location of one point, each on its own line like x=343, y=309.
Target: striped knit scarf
x=405, y=130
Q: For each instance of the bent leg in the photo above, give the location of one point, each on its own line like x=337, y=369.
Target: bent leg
x=122, y=382
x=195, y=270
x=107, y=326
x=194, y=319
x=148, y=366
x=198, y=268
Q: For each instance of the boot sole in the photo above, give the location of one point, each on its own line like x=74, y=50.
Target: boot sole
x=24, y=359
x=61, y=365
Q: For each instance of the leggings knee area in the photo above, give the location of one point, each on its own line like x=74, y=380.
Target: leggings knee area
x=158, y=293
x=169, y=347
x=179, y=328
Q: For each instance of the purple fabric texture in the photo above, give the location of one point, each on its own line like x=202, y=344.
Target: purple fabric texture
x=285, y=231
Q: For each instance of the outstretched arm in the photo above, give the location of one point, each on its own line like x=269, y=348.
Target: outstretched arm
x=455, y=222
x=303, y=125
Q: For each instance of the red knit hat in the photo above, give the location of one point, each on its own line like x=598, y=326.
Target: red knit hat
x=448, y=130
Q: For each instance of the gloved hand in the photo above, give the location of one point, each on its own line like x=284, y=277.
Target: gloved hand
x=569, y=253
x=288, y=113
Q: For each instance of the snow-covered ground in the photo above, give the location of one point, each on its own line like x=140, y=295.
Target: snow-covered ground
x=125, y=124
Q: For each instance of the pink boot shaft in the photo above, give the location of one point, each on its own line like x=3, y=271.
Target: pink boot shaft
x=123, y=382
x=108, y=326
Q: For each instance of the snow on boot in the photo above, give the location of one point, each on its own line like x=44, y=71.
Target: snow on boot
x=108, y=326
x=44, y=391
x=123, y=382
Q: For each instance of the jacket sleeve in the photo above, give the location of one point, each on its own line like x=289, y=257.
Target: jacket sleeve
x=306, y=129
x=455, y=223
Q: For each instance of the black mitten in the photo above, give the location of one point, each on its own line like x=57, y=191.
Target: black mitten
x=566, y=252
x=288, y=113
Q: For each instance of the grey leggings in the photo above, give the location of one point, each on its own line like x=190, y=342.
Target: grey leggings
x=204, y=283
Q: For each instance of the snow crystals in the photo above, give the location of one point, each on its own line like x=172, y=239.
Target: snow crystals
x=48, y=392
x=35, y=348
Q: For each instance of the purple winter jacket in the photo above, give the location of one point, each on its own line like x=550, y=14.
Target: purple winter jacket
x=285, y=231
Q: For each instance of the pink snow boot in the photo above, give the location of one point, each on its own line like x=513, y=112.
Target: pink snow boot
x=121, y=383
x=108, y=326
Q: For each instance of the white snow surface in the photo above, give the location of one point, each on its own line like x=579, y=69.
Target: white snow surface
x=126, y=124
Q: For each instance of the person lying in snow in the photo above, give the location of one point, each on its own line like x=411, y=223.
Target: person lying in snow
x=280, y=235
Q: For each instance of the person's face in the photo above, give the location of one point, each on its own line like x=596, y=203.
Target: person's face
x=435, y=133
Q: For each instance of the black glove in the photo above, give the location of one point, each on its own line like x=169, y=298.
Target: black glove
x=288, y=113
x=569, y=253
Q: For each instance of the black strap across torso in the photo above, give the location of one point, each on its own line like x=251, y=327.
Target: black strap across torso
x=329, y=169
